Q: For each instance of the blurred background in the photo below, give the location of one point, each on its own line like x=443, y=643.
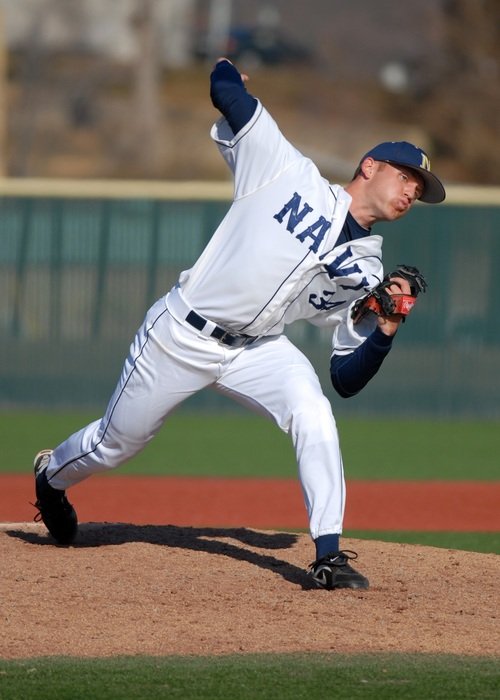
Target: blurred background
x=110, y=184
x=119, y=89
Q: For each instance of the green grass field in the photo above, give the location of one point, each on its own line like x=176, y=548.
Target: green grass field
x=253, y=677
x=245, y=446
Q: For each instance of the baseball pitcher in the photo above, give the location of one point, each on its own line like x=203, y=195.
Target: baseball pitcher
x=291, y=246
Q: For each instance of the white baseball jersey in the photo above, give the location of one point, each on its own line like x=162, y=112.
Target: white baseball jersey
x=272, y=259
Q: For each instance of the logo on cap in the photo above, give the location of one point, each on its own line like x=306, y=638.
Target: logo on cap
x=426, y=163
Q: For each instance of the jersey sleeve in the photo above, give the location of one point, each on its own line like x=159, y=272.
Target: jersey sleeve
x=257, y=154
x=348, y=336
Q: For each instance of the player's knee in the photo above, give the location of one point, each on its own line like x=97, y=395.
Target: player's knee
x=314, y=416
x=112, y=454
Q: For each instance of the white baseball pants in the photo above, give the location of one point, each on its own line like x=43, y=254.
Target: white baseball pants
x=169, y=360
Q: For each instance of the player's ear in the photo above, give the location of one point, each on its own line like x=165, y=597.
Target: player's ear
x=367, y=167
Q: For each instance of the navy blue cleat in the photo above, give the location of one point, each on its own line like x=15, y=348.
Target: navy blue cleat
x=54, y=509
x=334, y=571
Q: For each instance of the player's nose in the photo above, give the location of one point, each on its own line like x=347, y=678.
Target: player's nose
x=412, y=192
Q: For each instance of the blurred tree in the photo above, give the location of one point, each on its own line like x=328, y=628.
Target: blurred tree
x=3, y=99
x=149, y=141
x=463, y=101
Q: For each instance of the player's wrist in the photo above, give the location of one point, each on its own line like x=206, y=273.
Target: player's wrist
x=387, y=326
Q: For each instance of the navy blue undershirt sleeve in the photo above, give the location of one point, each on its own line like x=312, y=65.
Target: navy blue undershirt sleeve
x=229, y=96
x=350, y=373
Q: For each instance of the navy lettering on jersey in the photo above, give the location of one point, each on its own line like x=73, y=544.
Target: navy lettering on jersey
x=295, y=217
x=324, y=303
x=334, y=268
x=323, y=226
x=339, y=269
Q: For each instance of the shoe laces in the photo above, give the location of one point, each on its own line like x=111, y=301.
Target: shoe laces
x=59, y=503
x=336, y=558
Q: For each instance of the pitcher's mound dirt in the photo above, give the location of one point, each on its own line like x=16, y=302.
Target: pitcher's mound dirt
x=159, y=590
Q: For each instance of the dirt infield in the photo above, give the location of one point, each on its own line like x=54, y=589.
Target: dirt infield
x=159, y=590
x=219, y=579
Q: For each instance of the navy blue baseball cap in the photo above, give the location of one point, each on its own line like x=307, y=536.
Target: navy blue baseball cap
x=404, y=153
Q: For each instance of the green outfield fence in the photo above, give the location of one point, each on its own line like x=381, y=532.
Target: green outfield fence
x=81, y=262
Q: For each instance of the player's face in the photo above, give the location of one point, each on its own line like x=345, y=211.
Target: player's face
x=394, y=189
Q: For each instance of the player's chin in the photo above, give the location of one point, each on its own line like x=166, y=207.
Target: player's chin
x=397, y=212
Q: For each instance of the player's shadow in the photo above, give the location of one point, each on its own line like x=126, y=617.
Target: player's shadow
x=197, y=539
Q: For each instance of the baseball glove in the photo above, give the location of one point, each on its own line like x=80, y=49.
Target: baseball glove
x=382, y=303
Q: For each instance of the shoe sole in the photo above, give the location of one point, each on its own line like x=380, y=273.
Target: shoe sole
x=354, y=581
x=37, y=462
x=352, y=586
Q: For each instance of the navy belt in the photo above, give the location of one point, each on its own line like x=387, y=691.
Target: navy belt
x=223, y=336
